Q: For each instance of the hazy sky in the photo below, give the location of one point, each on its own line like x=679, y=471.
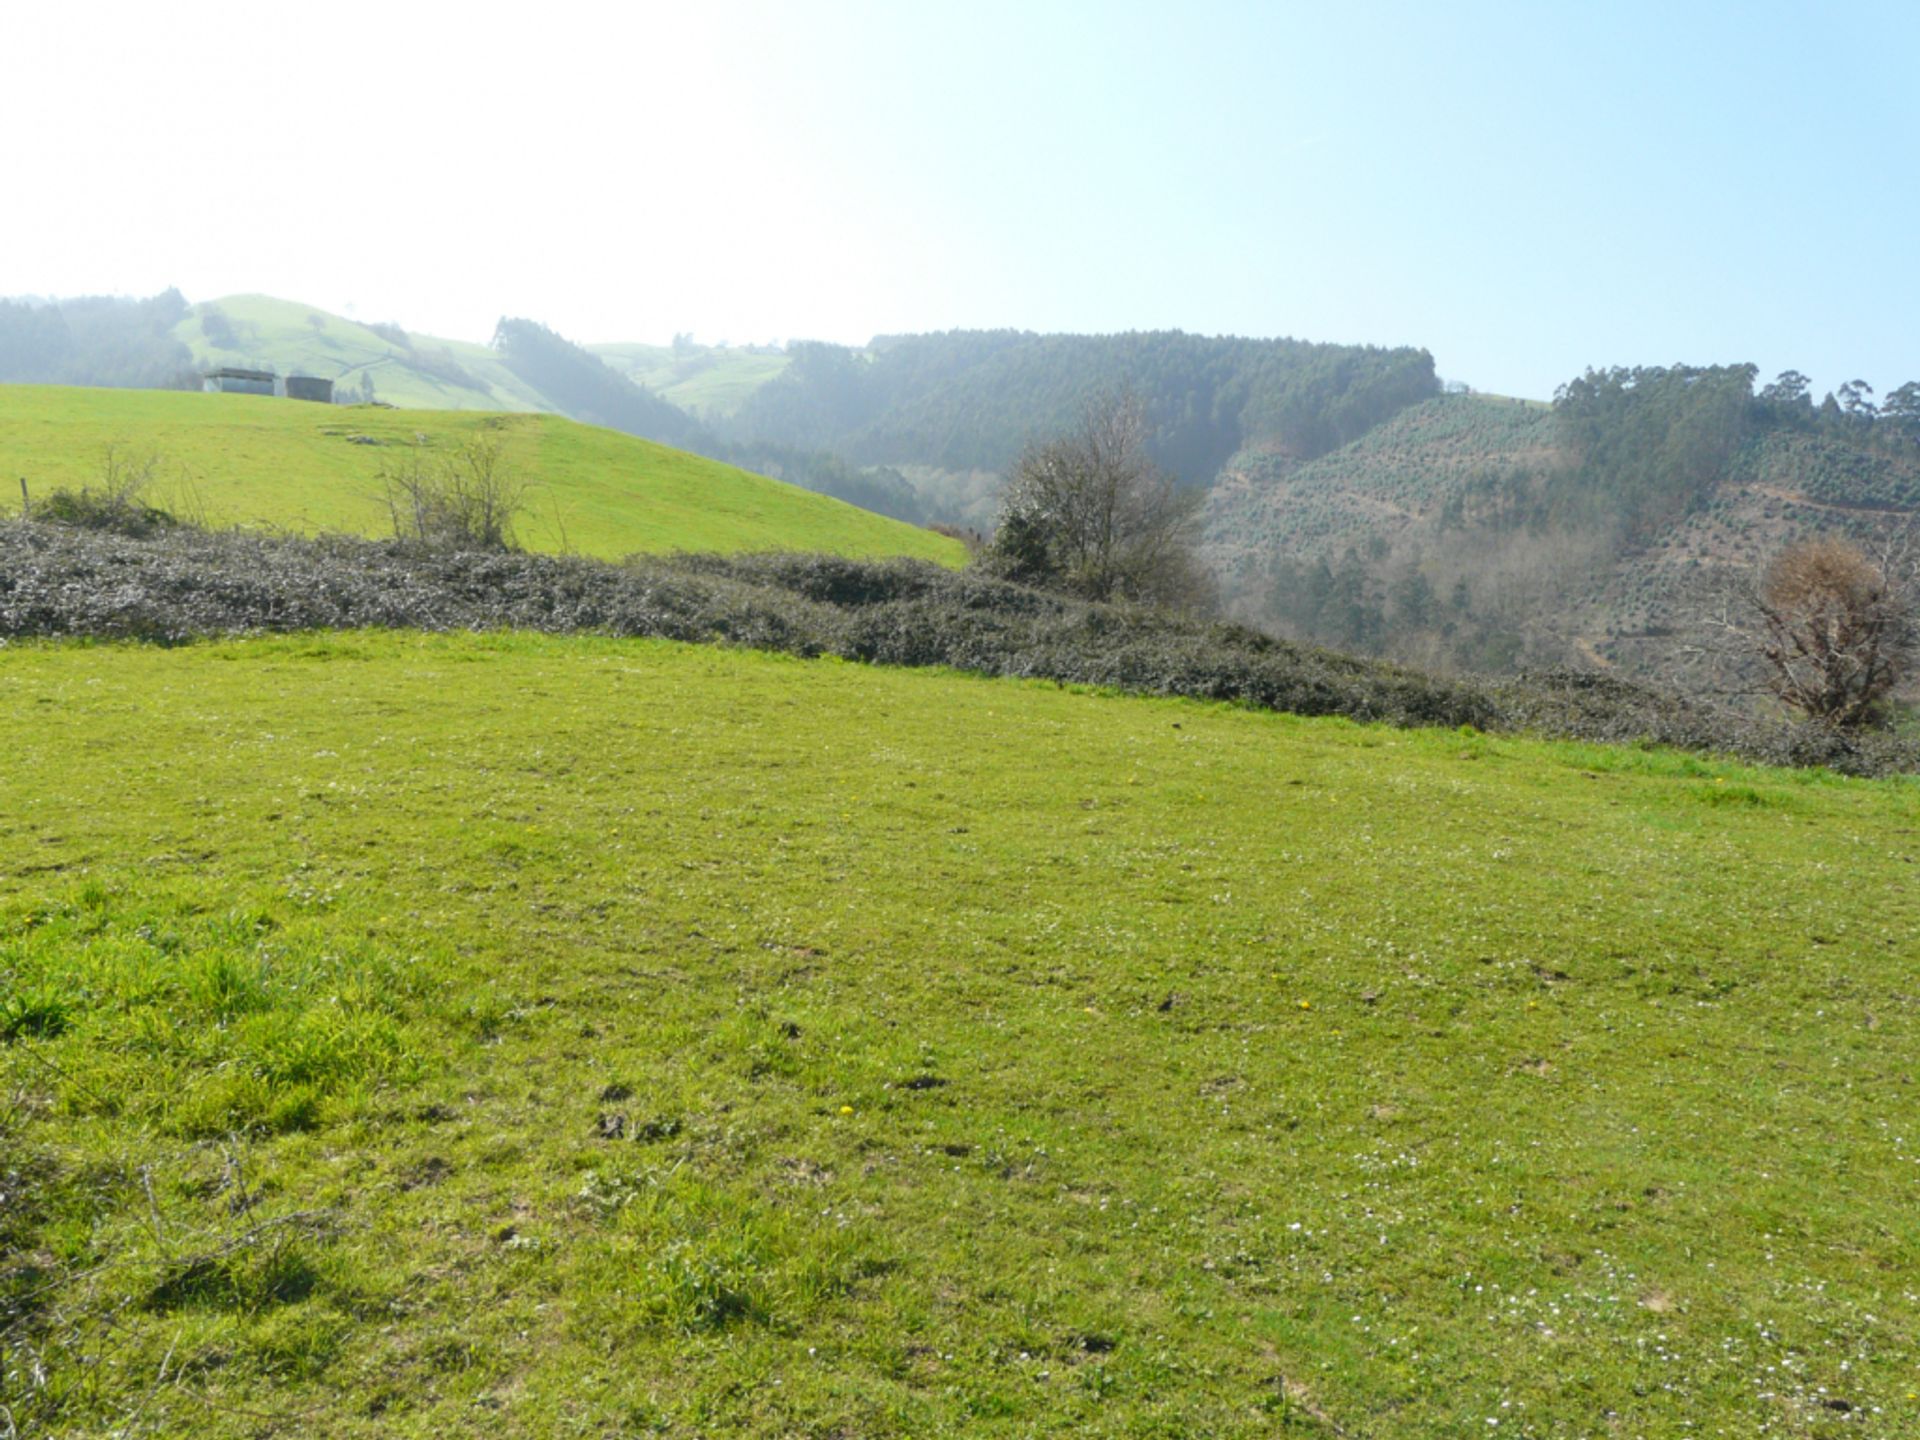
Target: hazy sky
x=1524, y=189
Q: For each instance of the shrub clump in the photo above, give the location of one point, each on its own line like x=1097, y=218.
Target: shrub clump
x=117, y=505
x=89, y=509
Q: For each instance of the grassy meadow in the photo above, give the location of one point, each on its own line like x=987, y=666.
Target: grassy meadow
x=251, y=460
x=510, y=1036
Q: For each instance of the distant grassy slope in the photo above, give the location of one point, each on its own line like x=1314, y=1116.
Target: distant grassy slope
x=522, y=1037
x=430, y=373
x=289, y=337
x=250, y=460
x=709, y=380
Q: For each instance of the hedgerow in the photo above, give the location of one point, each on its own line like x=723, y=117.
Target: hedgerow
x=182, y=585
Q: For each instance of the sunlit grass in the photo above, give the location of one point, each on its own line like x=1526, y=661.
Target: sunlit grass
x=256, y=461
x=520, y=1036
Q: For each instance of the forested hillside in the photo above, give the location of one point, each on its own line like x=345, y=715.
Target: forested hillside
x=586, y=385
x=1490, y=533
x=98, y=340
x=967, y=401
x=582, y=385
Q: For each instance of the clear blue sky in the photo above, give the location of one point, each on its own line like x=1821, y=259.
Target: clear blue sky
x=1523, y=189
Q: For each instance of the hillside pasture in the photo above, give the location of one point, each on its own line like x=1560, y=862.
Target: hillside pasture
x=416, y=371
x=253, y=461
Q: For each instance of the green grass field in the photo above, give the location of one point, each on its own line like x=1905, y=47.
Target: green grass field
x=250, y=460
x=531, y=1037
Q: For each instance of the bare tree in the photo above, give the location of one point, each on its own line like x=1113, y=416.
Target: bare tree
x=1089, y=512
x=1827, y=627
x=466, y=500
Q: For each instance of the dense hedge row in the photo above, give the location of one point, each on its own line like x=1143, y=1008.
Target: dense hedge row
x=183, y=585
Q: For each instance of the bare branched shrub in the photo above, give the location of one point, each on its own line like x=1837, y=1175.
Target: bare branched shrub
x=1839, y=631
x=468, y=499
x=1826, y=628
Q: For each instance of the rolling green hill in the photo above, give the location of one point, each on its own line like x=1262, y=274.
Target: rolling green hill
x=419, y=372
x=425, y=372
x=500, y=1035
x=241, y=459
x=705, y=380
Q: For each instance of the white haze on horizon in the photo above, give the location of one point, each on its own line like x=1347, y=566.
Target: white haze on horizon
x=1524, y=193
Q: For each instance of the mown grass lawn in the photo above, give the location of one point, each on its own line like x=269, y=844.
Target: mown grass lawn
x=533, y=1037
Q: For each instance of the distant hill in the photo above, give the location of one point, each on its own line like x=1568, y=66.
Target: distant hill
x=925, y=426
x=1489, y=533
x=383, y=361
x=96, y=340
x=578, y=383
x=920, y=427
x=951, y=411
x=242, y=459
x=709, y=382
x=368, y=362
x=1350, y=503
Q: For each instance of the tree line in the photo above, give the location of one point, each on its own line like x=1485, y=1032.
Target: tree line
x=971, y=400
x=1648, y=442
x=96, y=340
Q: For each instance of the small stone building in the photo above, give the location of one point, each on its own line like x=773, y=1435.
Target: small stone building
x=309, y=387
x=229, y=380
x=232, y=380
